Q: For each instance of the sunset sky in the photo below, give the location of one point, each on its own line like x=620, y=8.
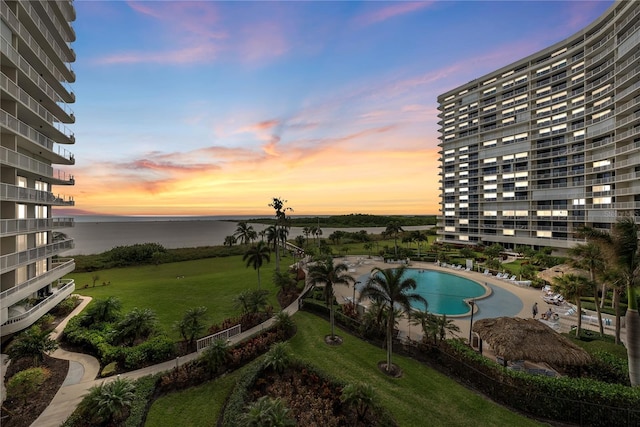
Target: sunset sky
x=214, y=108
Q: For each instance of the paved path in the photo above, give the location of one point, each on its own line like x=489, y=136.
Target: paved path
x=84, y=369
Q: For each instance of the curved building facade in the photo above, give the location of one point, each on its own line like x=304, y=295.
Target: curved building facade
x=35, y=74
x=537, y=149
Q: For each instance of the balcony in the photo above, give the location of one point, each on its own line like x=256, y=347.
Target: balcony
x=60, y=268
x=12, y=227
x=28, y=318
x=11, y=261
x=13, y=193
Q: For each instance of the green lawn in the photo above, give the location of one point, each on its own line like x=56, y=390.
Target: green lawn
x=212, y=283
x=421, y=397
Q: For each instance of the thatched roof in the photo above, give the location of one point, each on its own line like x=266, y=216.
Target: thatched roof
x=560, y=270
x=515, y=338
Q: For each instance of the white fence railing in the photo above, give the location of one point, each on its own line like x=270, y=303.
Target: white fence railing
x=205, y=342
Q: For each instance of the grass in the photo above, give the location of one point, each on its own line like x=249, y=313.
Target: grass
x=212, y=283
x=422, y=396
x=195, y=407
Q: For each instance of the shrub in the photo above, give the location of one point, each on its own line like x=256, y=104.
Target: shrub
x=34, y=343
x=107, y=403
x=25, y=383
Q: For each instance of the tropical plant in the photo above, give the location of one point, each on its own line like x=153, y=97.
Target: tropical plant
x=257, y=255
x=139, y=323
x=393, y=229
x=108, y=403
x=245, y=233
x=215, y=356
x=446, y=326
x=284, y=322
x=278, y=357
x=590, y=257
x=103, y=310
x=284, y=280
x=34, y=343
x=428, y=323
x=267, y=412
x=573, y=286
x=23, y=384
x=393, y=290
x=278, y=205
x=230, y=241
x=324, y=273
x=192, y=324
x=251, y=300
x=359, y=396
x=623, y=256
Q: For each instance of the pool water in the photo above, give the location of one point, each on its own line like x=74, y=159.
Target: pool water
x=444, y=292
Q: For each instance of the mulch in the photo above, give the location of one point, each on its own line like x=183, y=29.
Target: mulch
x=17, y=414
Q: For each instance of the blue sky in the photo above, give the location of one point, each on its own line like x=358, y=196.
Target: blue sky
x=213, y=108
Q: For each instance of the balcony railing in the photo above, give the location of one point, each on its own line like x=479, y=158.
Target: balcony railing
x=33, y=225
x=31, y=134
x=60, y=268
x=11, y=261
x=24, y=320
x=14, y=193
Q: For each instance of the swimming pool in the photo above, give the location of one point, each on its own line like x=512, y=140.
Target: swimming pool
x=446, y=293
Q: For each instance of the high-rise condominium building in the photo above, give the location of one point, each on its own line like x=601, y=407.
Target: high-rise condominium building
x=35, y=73
x=537, y=149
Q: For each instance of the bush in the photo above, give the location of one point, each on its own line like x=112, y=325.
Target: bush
x=25, y=383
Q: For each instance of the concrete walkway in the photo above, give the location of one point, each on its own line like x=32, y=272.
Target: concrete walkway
x=84, y=369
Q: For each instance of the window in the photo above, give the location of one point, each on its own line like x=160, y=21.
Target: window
x=601, y=200
x=543, y=233
x=578, y=202
x=508, y=232
x=490, y=213
x=490, y=143
x=597, y=188
x=601, y=163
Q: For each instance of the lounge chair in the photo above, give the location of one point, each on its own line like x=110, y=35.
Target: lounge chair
x=486, y=272
x=512, y=278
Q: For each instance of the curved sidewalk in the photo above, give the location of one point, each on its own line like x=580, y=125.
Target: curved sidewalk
x=84, y=369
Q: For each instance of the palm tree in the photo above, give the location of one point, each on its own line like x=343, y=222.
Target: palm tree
x=393, y=229
x=108, y=403
x=251, y=300
x=229, y=241
x=192, y=324
x=591, y=258
x=138, y=323
x=623, y=256
x=103, y=310
x=34, y=343
x=389, y=286
x=324, y=272
x=244, y=233
x=307, y=231
x=573, y=286
x=256, y=255
x=278, y=205
x=267, y=412
x=215, y=356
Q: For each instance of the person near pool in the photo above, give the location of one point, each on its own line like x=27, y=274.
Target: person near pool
x=534, y=309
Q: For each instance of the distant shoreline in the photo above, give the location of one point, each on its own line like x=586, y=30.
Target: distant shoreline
x=94, y=237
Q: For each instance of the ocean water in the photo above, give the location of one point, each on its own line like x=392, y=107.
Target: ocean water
x=96, y=234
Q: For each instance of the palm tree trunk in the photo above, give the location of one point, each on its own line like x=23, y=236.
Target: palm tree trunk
x=595, y=300
x=633, y=345
x=258, y=277
x=633, y=339
x=579, y=308
x=604, y=295
x=331, y=320
x=390, y=322
x=616, y=306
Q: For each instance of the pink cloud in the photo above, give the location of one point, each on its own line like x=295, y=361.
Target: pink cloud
x=388, y=12
x=196, y=54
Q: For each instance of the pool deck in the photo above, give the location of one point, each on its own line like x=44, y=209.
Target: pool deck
x=362, y=265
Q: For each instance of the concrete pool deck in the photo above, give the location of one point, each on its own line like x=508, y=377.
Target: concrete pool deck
x=507, y=299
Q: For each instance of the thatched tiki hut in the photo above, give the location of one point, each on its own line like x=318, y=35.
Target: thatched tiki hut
x=514, y=338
